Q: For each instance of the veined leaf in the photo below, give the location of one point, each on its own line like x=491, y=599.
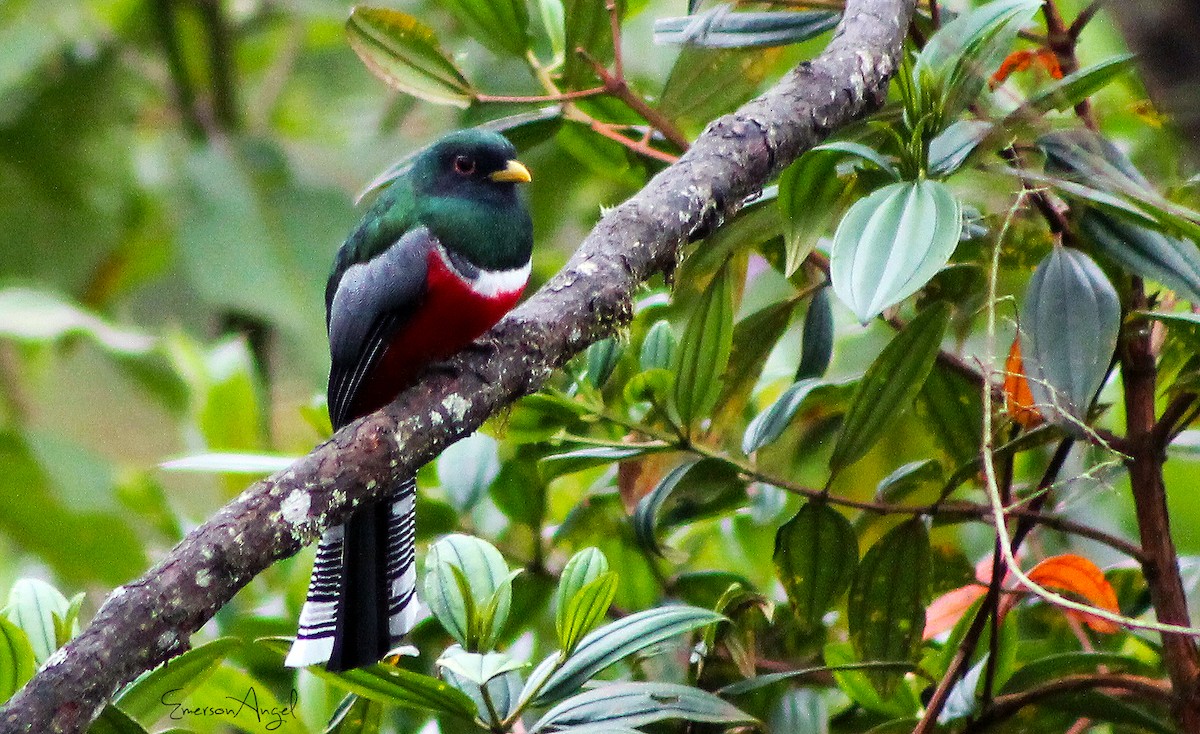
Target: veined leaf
x=890, y=384
x=1069, y=326
x=587, y=26
x=954, y=145
x=583, y=568
x=721, y=28
x=694, y=489
x=863, y=152
x=501, y=25
x=580, y=459
x=17, y=662
x=602, y=358
x=142, y=699
x=1144, y=252
x=478, y=668
x=771, y=423
x=612, y=642
x=1079, y=576
x=816, y=553
x=637, y=704
x=405, y=53
x=467, y=468
x=32, y=605
x=554, y=24
x=961, y=56
x=809, y=190
x=886, y=611
x=585, y=609
x=486, y=576
x=1063, y=94
x=816, y=341
x=389, y=684
x=891, y=243
x=841, y=660
x=658, y=347
x=704, y=350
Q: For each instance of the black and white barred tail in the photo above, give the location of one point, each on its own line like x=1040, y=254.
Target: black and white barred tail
x=362, y=597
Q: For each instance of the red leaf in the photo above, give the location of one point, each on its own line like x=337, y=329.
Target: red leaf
x=1080, y=577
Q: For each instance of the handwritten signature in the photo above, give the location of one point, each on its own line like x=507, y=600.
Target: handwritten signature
x=271, y=717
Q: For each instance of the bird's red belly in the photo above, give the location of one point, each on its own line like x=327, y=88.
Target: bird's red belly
x=450, y=317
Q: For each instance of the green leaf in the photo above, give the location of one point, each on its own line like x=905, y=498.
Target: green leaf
x=706, y=83
x=809, y=190
x=580, y=459
x=581, y=570
x=33, y=316
x=960, y=57
x=890, y=384
x=694, y=489
x=962, y=701
x=852, y=679
x=914, y=475
x=1096, y=706
x=951, y=406
x=467, y=469
x=816, y=553
x=17, y=661
x=1063, y=94
x=475, y=667
x=754, y=337
x=32, y=605
x=612, y=642
x=485, y=573
x=226, y=462
x=1144, y=252
x=142, y=699
x=658, y=347
x=816, y=342
x=721, y=28
x=405, y=53
x=704, y=350
x=602, y=358
x=553, y=23
x=112, y=721
x=891, y=243
x=586, y=608
x=951, y=148
x=356, y=715
x=864, y=152
x=1053, y=667
x=587, y=26
x=886, y=611
x=501, y=25
x=1069, y=326
x=389, y=684
x=638, y=704
x=770, y=424
x=762, y=681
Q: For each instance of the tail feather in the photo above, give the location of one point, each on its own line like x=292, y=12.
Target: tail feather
x=362, y=597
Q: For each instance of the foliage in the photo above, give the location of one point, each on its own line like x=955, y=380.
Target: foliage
x=822, y=383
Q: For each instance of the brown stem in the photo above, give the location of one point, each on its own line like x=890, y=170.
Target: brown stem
x=637, y=146
x=1062, y=43
x=1161, y=565
x=561, y=97
x=1007, y=706
x=619, y=88
x=967, y=647
x=1085, y=16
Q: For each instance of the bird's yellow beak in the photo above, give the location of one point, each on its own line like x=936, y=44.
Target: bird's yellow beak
x=514, y=172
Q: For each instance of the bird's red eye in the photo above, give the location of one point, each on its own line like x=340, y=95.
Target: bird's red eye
x=464, y=165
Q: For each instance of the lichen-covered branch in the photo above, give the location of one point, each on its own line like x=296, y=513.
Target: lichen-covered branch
x=150, y=620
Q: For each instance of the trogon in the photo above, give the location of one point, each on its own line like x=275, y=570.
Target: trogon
x=441, y=255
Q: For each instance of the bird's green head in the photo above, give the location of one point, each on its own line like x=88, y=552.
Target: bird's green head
x=465, y=185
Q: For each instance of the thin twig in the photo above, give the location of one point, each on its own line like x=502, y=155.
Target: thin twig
x=619, y=88
x=559, y=97
x=1007, y=706
x=1085, y=16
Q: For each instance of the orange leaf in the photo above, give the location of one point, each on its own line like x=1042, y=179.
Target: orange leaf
x=1048, y=60
x=1079, y=576
x=1018, y=399
x=947, y=609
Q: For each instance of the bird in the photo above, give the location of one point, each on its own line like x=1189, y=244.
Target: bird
x=438, y=259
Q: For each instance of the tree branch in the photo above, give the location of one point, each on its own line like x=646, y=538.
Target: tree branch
x=150, y=620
